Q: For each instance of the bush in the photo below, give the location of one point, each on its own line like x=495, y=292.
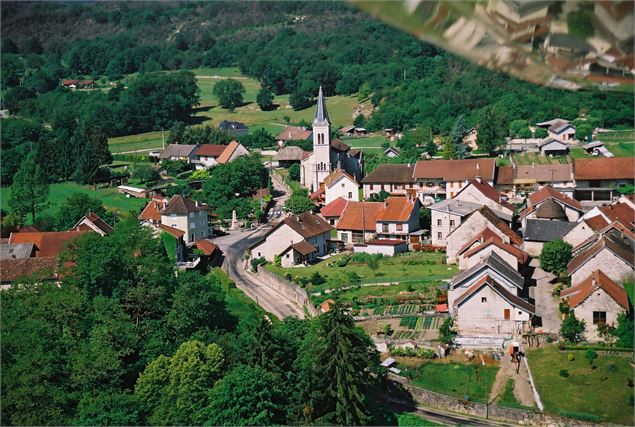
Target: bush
x=612, y=368
x=317, y=279
x=294, y=172
x=277, y=260
x=555, y=255
x=590, y=355
x=175, y=167
x=256, y=262
x=343, y=261
x=145, y=173
x=563, y=373
x=570, y=357
x=581, y=416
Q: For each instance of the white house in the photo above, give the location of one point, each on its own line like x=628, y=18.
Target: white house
x=206, y=155
x=340, y=184
x=92, y=222
x=188, y=216
x=398, y=218
x=391, y=178
x=580, y=233
x=596, y=300
x=178, y=152
x=559, y=129
x=550, y=204
x=296, y=239
x=553, y=147
x=597, y=179
x=486, y=242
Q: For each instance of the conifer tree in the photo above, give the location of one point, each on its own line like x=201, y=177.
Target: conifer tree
x=30, y=189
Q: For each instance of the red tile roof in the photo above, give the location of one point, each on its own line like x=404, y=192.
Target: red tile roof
x=307, y=224
x=597, y=222
x=484, y=235
x=489, y=192
x=390, y=174
x=597, y=280
x=497, y=241
x=549, y=193
x=396, y=209
x=334, y=209
x=386, y=242
x=291, y=133
x=47, y=244
x=360, y=216
x=44, y=268
x=228, y=152
x=455, y=170
x=171, y=230
x=609, y=241
x=316, y=195
x=604, y=168
x=505, y=175
x=303, y=247
x=210, y=150
x=206, y=246
x=152, y=211
x=621, y=212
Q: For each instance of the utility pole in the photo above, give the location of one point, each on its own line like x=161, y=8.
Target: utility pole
x=162, y=139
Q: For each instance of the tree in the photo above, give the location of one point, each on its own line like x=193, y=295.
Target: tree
x=30, y=189
x=264, y=99
x=109, y=409
x=425, y=218
x=360, y=120
x=300, y=202
x=431, y=148
x=174, y=390
x=449, y=150
x=340, y=367
x=518, y=127
x=9, y=46
x=555, y=256
x=624, y=330
x=572, y=329
x=364, y=91
x=247, y=396
x=301, y=99
x=541, y=133
x=379, y=196
x=490, y=137
x=259, y=139
x=94, y=153
x=294, y=172
x=145, y=173
x=74, y=207
x=584, y=131
x=590, y=355
x=458, y=132
x=229, y=93
x=447, y=332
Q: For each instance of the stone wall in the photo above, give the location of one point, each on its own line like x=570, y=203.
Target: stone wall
x=452, y=404
x=288, y=289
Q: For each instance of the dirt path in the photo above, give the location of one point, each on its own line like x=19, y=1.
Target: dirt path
x=522, y=388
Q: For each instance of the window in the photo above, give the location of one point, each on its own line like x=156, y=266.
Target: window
x=350, y=195
x=599, y=317
x=382, y=186
x=259, y=254
x=399, y=227
x=451, y=194
x=483, y=299
x=439, y=222
x=342, y=185
x=520, y=313
x=287, y=255
x=460, y=184
x=192, y=239
x=451, y=223
x=192, y=215
x=506, y=314
x=370, y=187
x=384, y=228
x=439, y=235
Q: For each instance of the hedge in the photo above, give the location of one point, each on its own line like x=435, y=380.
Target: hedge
x=598, y=348
x=581, y=416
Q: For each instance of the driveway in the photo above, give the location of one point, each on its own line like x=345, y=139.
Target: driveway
x=546, y=304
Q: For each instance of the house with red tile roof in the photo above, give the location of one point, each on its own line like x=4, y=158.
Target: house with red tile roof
x=472, y=226
x=486, y=242
x=92, y=222
x=611, y=252
x=234, y=150
x=446, y=178
x=597, y=300
x=539, y=206
x=180, y=217
x=46, y=243
x=296, y=239
x=333, y=211
x=358, y=222
x=206, y=155
x=340, y=184
x=597, y=179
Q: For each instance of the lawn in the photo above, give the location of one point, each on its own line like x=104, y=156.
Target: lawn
x=465, y=381
x=621, y=149
x=373, y=141
x=58, y=192
x=530, y=158
x=603, y=391
x=618, y=136
x=142, y=141
x=409, y=267
x=238, y=304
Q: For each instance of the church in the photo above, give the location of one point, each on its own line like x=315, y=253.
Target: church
x=328, y=154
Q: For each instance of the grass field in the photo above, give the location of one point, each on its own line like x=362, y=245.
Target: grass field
x=530, y=158
x=238, y=304
x=618, y=136
x=58, y=192
x=458, y=380
x=142, y=141
x=603, y=391
x=410, y=267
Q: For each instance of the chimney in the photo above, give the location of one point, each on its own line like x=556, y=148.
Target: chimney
x=196, y=203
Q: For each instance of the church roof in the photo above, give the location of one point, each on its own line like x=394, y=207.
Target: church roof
x=321, y=115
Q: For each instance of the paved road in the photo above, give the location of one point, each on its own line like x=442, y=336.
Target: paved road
x=234, y=246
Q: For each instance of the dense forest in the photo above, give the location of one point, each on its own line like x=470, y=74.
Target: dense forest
x=124, y=341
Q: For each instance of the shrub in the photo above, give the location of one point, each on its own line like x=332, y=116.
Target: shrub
x=277, y=260
x=581, y=416
x=554, y=256
x=256, y=262
x=612, y=368
x=317, y=279
x=572, y=329
x=570, y=357
x=563, y=373
x=549, y=339
x=590, y=355
x=342, y=261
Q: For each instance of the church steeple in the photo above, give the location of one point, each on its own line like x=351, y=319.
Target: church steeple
x=321, y=115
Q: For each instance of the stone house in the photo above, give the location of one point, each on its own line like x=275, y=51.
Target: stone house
x=611, y=252
x=490, y=299
x=333, y=211
x=550, y=204
x=296, y=239
x=472, y=226
x=92, y=222
x=358, y=222
x=580, y=233
x=448, y=214
x=294, y=133
x=340, y=184
x=487, y=242
x=516, y=180
x=206, y=155
x=188, y=216
x=233, y=150
x=597, y=300
x=289, y=155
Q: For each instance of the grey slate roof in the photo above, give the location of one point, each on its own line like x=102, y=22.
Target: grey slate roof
x=177, y=150
x=16, y=250
x=457, y=207
x=538, y=230
x=496, y=263
x=321, y=115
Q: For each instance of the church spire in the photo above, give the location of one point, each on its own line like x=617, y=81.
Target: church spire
x=321, y=115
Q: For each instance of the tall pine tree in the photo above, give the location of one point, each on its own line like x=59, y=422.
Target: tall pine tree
x=95, y=153
x=30, y=189
x=490, y=131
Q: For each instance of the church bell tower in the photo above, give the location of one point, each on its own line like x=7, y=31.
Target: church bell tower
x=321, y=142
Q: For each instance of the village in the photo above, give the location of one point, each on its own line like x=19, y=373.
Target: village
x=434, y=259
